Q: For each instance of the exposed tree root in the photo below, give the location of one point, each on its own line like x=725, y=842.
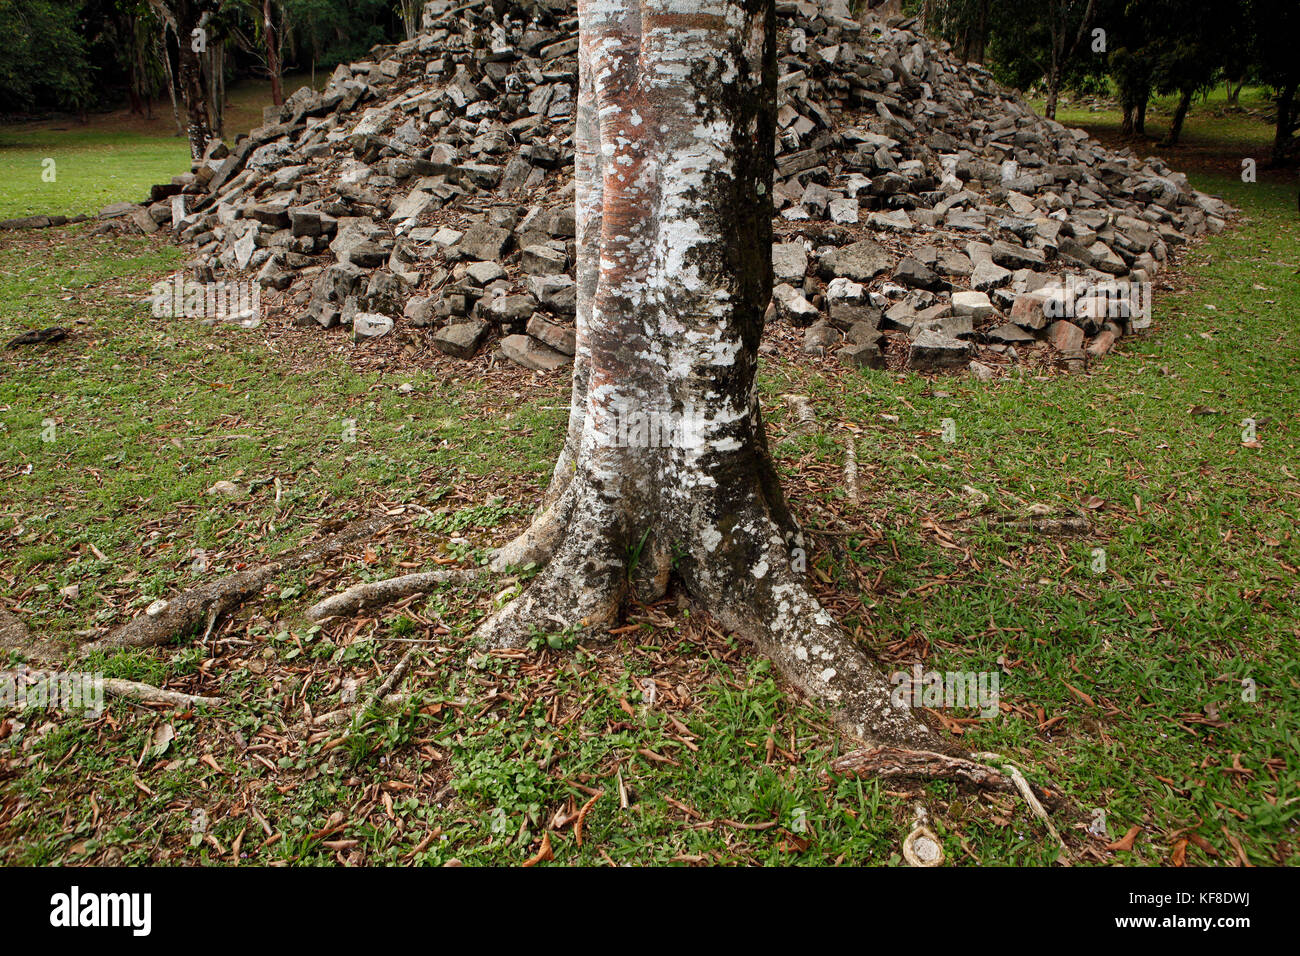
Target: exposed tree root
x=851, y=484
x=148, y=694
x=539, y=541
x=129, y=689
x=555, y=602
x=1073, y=524
x=896, y=763
x=354, y=714
x=922, y=847
x=583, y=585
x=806, y=418
x=382, y=691
x=386, y=592
x=381, y=698
x=165, y=620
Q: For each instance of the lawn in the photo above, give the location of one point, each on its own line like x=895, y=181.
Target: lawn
x=111, y=157
x=1148, y=662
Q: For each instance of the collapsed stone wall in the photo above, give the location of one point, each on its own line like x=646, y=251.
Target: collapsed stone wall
x=922, y=210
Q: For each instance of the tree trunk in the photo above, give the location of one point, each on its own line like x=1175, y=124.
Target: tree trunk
x=1180, y=116
x=272, y=54
x=665, y=472
x=190, y=73
x=1287, y=120
x=1141, y=124
x=1053, y=93
x=982, y=32
x=219, y=97
x=171, y=84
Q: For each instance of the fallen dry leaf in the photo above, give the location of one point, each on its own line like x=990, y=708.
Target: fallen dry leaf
x=543, y=854
x=1126, y=841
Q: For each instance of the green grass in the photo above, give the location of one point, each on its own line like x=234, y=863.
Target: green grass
x=1123, y=687
x=91, y=169
x=1216, y=137
x=112, y=157
x=1198, y=531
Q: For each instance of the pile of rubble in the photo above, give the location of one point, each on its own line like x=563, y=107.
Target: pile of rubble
x=923, y=210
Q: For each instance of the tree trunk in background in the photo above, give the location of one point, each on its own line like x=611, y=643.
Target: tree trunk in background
x=1284, y=144
x=665, y=472
x=982, y=31
x=192, y=86
x=1180, y=116
x=1134, y=102
x=1053, y=92
x=272, y=53
x=183, y=17
x=1063, y=48
x=171, y=84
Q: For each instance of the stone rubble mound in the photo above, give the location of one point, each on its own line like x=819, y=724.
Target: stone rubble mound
x=923, y=211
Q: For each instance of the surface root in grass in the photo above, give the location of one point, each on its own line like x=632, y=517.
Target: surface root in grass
x=166, y=620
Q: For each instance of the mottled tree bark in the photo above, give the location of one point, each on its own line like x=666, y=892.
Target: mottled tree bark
x=272, y=53
x=183, y=18
x=665, y=471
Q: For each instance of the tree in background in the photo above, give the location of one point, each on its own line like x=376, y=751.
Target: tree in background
x=1068, y=23
x=1275, y=27
x=70, y=55
x=963, y=23
x=1186, y=48
x=1133, y=72
x=331, y=31
x=1022, y=41
x=410, y=11
x=1130, y=60
x=44, y=55
x=186, y=22
x=271, y=39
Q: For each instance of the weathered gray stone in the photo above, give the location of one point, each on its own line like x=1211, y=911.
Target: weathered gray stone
x=789, y=261
x=556, y=294
x=933, y=350
x=461, y=340
x=973, y=304
x=916, y=275
x=558, y=337
x=530, y=353
x=820, y=337
x=483, y=241
x=543, y=261
x=370, y=325
x=860, y=261
x=867, y=355
x=484, y=272
x=1010, y=334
